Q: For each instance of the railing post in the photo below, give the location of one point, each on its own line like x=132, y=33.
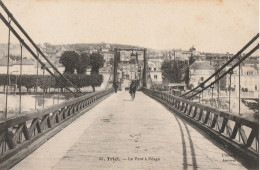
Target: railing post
x=195, y=112
x=223, y=125
x=115, y=67
x=182, y=106
x=200, y=114
x=206, y=117
x=234, y=132
x=214, y=121
x=145, y=68
x=189, y=111
x=186, y=107
x=253, y=134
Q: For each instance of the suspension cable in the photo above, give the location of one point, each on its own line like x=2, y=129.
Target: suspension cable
x=226, y=64
x=33, y=54
x=43, y=90
x=231, y=69
x=20, y=87
x=37, y=78
x=37, y=72
x=35, y=46
x=8, y=63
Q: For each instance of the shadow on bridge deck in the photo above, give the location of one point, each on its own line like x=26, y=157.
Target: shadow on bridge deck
x=123, y=134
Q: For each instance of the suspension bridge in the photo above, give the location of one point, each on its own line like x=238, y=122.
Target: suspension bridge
x=107, y=130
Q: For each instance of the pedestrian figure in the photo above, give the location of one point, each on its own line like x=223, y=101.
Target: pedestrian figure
x=132, y=89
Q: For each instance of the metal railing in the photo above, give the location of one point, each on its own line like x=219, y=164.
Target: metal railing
x=20, y=132
x=238, y=133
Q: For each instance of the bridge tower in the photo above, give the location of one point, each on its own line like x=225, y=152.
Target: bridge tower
x=115, y=66
x=117, y=59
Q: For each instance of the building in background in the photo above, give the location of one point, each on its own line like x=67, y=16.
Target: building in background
x=199, y=72
x=28, y=66
x=249, y=79
x=155, y=70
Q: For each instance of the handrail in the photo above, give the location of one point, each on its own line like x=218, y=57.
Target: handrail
x=231, y=116
x=27, y=115
x=19, y=132
x=226, y=126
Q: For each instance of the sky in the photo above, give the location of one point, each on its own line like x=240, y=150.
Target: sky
x=209, y=25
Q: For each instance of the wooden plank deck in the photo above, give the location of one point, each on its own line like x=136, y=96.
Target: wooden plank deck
x=123, y=134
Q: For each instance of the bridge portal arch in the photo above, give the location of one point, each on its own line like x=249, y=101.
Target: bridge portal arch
x=117, y=58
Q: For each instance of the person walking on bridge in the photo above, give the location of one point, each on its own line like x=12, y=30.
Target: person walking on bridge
x=132, y=89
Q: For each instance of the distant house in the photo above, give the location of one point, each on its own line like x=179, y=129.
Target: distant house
x=251, y=62
x=93, y=51
x=27, y=66
x=107, y=56
x=155, y=72
x=249, y=79
x=158, y=63
x=218, y=56
x=128, y=70
x=3, y=65
x=182, y=55
x=175, y=88
x=125, y=56
x=133, y=71
x=199, y=72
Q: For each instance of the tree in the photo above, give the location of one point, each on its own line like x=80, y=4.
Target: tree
x=28, y=81
x=96, y=62
x=3, y=80
x=83, y=63
x=15, y=57
x=80, y=80
x=187, y=77
x=191, y=59
x=69, y=60
x=46, y=82
x=175, y=71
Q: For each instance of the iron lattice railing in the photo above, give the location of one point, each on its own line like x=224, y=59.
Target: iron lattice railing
x=20, y=132
x=238, y=133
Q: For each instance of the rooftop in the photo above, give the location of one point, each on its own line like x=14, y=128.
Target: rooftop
x=26, y=61
x=202, y=65
x=4, y=61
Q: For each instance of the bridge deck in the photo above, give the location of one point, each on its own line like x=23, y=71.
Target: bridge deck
x=123, y=134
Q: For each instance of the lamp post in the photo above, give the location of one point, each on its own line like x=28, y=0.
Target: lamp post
x=218, y=91
x=145, y=68
x=230, y=74
x=239, y=86
x=136, y=65
x=212, y=87
x=202, y=86
x=218, y=85
x=43, y=93
x=115, y=67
